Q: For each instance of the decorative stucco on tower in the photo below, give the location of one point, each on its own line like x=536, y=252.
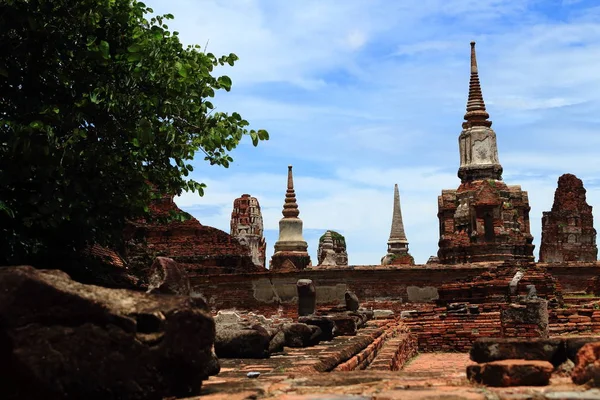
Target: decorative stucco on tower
x=484, y=219
x=291, y=248
x=397, y=243
x=477, y=141
x=247, y=227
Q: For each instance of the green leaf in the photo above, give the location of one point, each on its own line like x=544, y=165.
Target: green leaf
x=181, y=70
x=225, y=82
x=134, y=48
x=254, y=137
x=134, y=57
x=104, y=49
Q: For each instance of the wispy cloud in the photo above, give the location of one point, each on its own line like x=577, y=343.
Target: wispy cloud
x=359, y=95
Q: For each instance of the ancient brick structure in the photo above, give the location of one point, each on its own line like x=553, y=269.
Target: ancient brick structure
x=484, y=219
x=397, y=253
x=568, y=232
x=493, y=286
x=247, y=227
x=338, y=246
x=291, y=248
x=197, y=248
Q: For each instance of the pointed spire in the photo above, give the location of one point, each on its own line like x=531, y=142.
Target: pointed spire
x=476, y=114
x=397, y=234
x=290, y=207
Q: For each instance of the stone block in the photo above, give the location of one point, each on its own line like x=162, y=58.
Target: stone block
x=542, y=349
x=345, y=325
x=383, y=314
x=227, y=317
x=63, y=339
x=575, y=343
x=528, y=313
x=326, y=325
x=587, y=365
x=240, y=341
x=506, y=373
x=352, y=303
x=307, y=297
x=167, y=277
x=301, y=335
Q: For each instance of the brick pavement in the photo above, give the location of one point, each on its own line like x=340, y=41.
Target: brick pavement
x=442, y=365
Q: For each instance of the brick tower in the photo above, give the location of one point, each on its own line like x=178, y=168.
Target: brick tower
x=484, y=219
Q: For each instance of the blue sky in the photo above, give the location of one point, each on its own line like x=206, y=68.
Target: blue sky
x=361, y=94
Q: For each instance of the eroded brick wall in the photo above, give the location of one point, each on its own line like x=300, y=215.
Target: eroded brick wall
x=573, y=277
x=396, y=289
x=574, y=320
x=441, y=331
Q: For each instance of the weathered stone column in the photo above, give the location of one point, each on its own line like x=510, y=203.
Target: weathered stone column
x=307, y=297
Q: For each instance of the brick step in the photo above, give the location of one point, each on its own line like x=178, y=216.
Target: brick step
x=363, y=358
x=394, y=353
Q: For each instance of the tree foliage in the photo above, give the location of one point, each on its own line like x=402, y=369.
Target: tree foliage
x=97, y=99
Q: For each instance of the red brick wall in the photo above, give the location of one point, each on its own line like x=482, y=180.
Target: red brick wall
x=573, y=277
x=442, y=331
x=377, y=288
x=199, y=248
x=574, y=320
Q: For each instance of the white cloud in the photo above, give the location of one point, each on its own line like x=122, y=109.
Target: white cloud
x=356, y=39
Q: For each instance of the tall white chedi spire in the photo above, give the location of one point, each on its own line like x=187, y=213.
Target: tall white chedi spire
x=397, y=243
x=290, y=226
x=291, y=248
x=477, y=141
x=397, y=240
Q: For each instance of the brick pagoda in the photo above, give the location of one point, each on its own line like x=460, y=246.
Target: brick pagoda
x=484, y=219
x=568, y=232
x=337, y=243
x=247, y=227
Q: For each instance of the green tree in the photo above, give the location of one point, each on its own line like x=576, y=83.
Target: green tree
x=97, y=99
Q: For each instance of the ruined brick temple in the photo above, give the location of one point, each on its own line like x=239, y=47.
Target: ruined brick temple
x=485, y=314
x=484, y=219
x=247, y=227
x=568, y=232
x=199, y=248
x=332, y=249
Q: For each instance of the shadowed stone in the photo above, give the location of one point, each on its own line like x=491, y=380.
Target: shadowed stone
x=511, y=373
x=63, y=339
x=352, y=303
x=167, y=277
x=494, y=349
x=307, y=297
